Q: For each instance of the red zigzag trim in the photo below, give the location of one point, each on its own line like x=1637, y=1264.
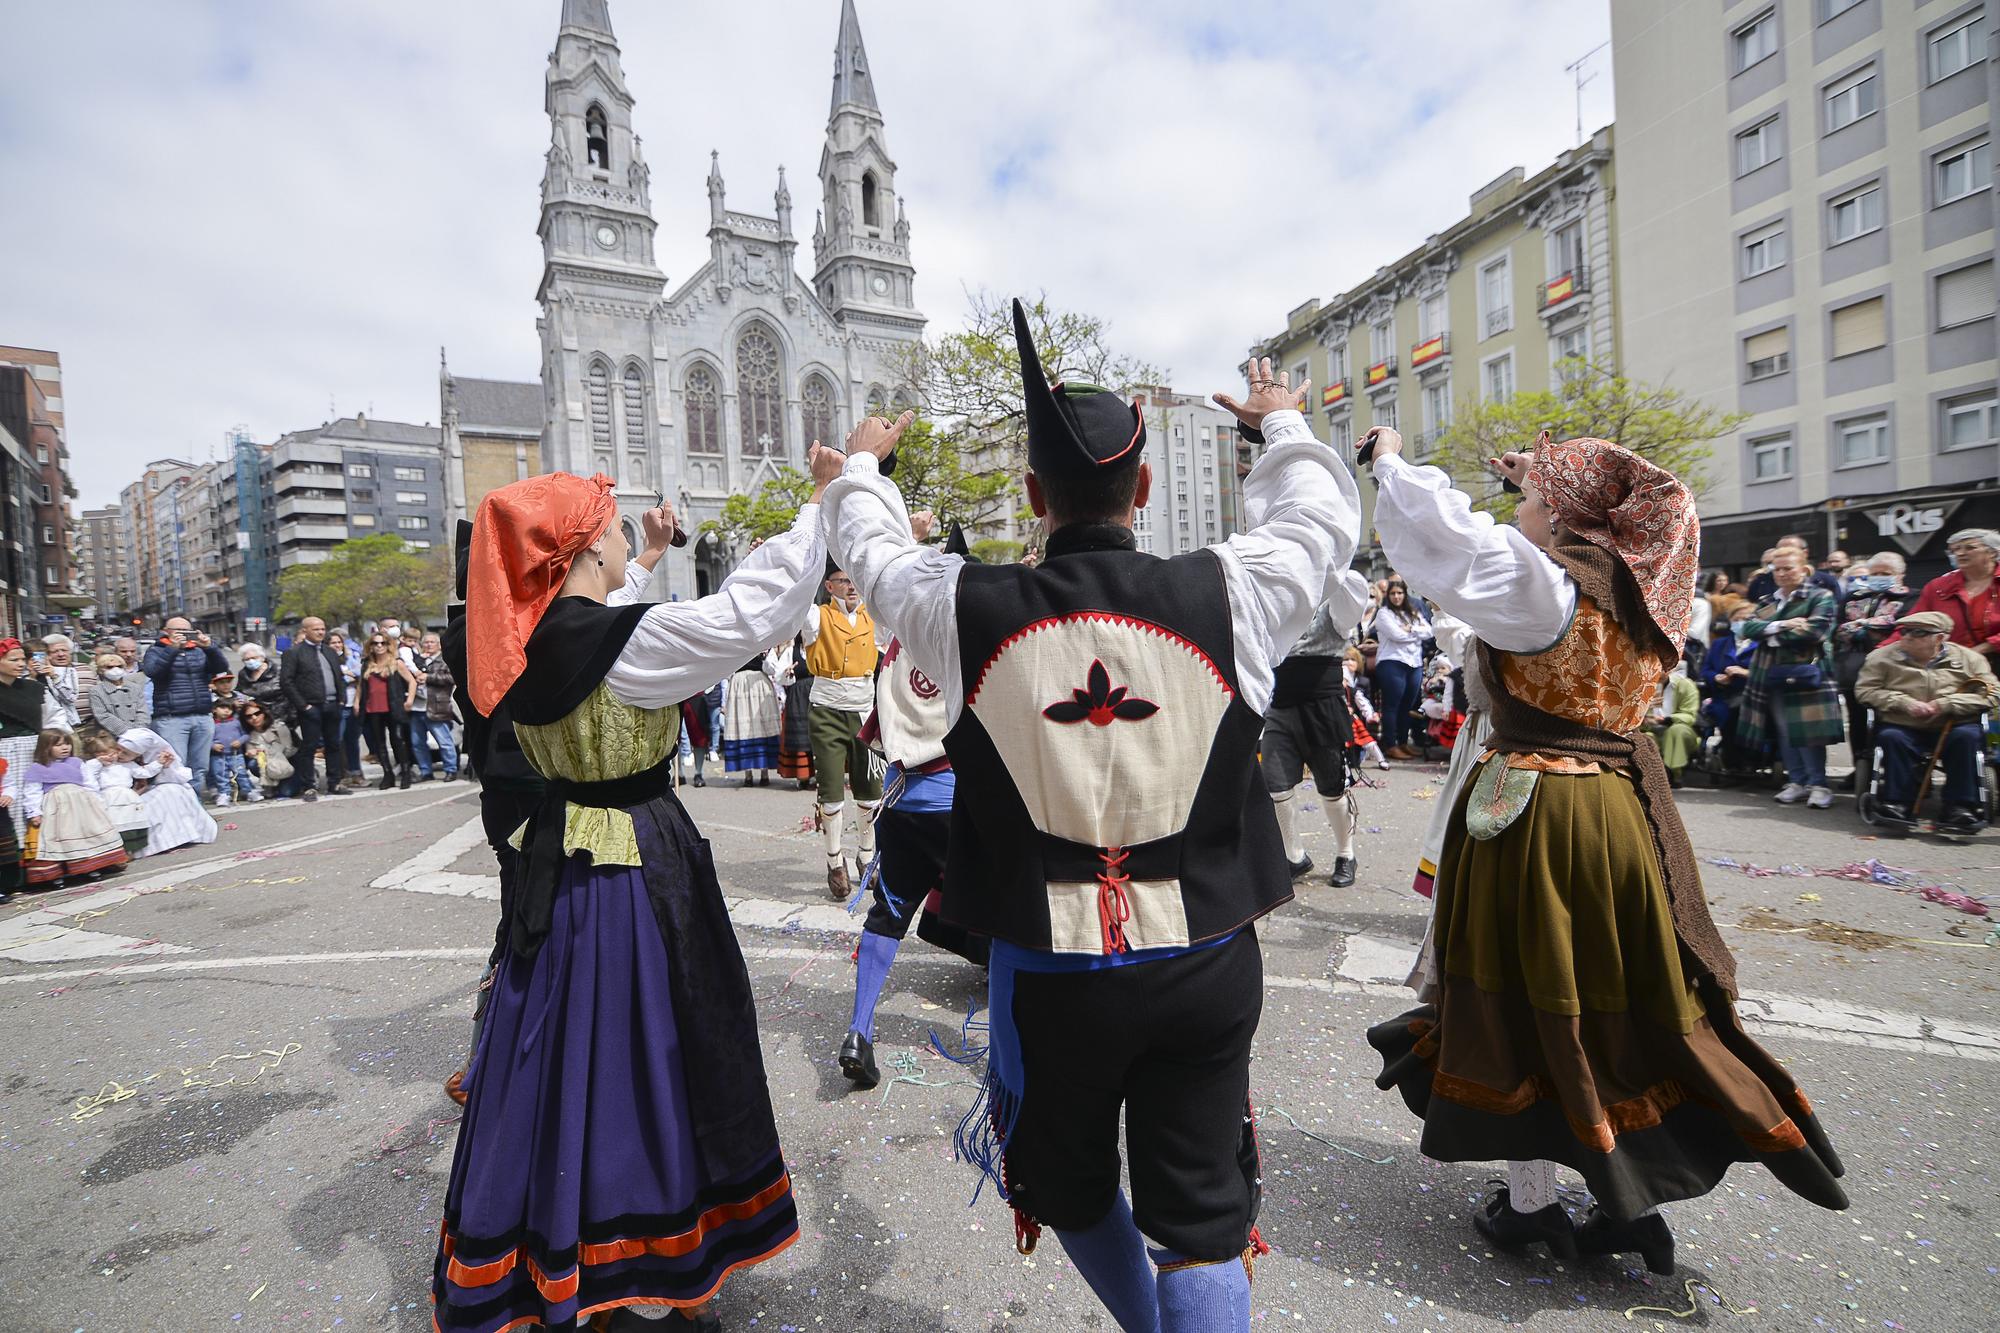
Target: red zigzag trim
x=1106, y=617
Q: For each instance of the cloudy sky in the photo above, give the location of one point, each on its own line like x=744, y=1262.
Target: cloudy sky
x=268, y=211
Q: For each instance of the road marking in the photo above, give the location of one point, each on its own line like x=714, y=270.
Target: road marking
x=35, y=937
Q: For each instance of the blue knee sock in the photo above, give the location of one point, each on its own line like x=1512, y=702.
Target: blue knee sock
x=871, y=972
x=1112, y=1258
x=1214, y=1298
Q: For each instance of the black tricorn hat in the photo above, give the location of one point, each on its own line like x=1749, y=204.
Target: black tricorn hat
x=1074, y=430
x=461, y=545
x=955, y=543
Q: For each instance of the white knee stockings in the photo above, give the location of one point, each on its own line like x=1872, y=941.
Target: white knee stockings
x=1288, y=823
x=830, y=819
x=1340, y=816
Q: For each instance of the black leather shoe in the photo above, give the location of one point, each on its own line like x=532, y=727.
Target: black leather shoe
x=1302, y=867
x=404, y=780
x=700, y=781
x=1895, y=814
x=1343, y=873
x=1511, y=1230
x=1646, y=1236
x=1961, y=819
x=857, y=1060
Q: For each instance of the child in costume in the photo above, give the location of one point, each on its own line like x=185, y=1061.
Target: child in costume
x=78, y=840
x=174, y=817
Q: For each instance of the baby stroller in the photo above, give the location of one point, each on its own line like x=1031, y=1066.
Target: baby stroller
x=1868, y=784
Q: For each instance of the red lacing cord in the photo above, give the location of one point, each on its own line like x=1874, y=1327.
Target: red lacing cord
x=1027, y=1231
x=1114, y=909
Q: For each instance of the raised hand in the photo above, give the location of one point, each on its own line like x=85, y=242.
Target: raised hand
x=922, y=524
x=1269, y=393
x=873, y=435
x=660, y=525
x=825, y=464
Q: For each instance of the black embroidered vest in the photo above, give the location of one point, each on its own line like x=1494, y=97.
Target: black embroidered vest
x=1108, y=796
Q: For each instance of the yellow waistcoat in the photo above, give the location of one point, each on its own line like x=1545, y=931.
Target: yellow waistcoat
x=843, y=651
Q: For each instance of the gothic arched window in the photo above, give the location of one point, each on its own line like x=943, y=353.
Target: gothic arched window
x=878, y=401
x=597, y=389
x=871, y=207
x=704, y=411
x=596, y=139
x=816, y=411
x=635, y=409
x=760, y=404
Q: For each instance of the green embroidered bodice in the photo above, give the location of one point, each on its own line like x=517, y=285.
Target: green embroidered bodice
x=601, y=739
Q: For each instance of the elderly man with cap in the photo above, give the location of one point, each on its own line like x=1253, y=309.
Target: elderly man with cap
x=1922, y=687
x=1110, y=832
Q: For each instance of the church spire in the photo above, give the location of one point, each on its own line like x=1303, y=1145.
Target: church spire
x=852, y=79
x=590, y=16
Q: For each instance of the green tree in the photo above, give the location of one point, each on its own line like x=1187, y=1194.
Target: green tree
x=934, y=472
x=1657, y=422
x=971, y=380
x=368, y=578
x=763, y=515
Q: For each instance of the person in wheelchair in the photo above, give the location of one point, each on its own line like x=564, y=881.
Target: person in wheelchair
x=1919, y=686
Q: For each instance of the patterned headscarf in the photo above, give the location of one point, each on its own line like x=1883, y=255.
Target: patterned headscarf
x=1637, y=511
x=523, y=541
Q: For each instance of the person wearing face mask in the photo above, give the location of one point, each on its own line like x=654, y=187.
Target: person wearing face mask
x=1876, y=597
x=258, y=680
x=118, y=699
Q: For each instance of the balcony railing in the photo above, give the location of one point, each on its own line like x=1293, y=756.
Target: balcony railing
x=1563, y=287
x=1379, y=374
x=1336, y=395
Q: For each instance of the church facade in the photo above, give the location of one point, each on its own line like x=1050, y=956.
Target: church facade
x=715, y=386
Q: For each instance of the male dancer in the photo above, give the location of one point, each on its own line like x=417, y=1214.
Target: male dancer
x=915, y=828
x=1307, y=726
x=841, y=651
x=1111, y=836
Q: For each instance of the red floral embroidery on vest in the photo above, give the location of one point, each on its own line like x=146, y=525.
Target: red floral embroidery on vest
x=1100, y=704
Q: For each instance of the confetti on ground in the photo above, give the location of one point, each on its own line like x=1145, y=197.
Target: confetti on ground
x=1870, y=871
x=1694, y=1303
x=192, y=1076
x=1318, y=1138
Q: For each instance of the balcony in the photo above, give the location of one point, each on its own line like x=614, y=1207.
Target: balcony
x=296, y=506
x=1381, y=375
x=1432, y=354
x=1336, y=395
x=1555, y=295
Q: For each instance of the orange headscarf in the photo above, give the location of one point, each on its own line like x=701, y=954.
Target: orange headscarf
x=1636, y=510
x=523, y=540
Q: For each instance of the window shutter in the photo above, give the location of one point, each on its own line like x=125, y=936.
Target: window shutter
x=1965, y=294
x=1770, y=343
x=1859, y=327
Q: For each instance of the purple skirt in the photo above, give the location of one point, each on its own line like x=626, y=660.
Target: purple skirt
x=578, y=1183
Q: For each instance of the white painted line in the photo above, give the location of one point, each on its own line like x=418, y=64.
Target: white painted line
x=426, y=873
x=1370, y=958
x=261, y=960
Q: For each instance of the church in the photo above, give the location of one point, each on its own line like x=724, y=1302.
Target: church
x=715, y=386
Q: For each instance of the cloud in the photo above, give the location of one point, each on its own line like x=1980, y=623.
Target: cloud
x=261, y=213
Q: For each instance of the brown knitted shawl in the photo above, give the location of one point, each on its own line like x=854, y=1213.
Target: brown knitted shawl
x=1521, y=728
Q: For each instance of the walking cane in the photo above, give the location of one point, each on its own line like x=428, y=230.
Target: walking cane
x=1923, y=787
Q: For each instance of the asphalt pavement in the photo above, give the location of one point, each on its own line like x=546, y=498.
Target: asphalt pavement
x=220, y=1101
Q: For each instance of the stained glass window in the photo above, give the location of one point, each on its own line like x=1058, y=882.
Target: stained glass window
x=760, y=403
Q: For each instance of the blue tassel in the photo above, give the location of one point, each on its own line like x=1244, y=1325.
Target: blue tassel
x=982, y=1135
x=968, y=1053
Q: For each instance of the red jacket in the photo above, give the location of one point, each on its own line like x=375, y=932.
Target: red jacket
x=1975, y=621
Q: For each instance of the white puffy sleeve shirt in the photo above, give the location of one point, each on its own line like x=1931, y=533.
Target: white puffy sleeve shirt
x=680, y=649
x=1305, y=518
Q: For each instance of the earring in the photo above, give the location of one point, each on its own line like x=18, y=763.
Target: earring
x=600, y=562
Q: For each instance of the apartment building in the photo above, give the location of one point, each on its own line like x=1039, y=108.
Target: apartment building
x=353, y=478
x=102, y=562
x=1488, y=307
x=149, y=507
x=1806, y=235
x=54, y=561
x=1191, y=447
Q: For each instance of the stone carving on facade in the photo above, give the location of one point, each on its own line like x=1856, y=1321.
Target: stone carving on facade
x=1561, y=203
x=1432, y=275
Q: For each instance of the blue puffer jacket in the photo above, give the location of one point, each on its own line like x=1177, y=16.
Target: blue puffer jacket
x=180, y=677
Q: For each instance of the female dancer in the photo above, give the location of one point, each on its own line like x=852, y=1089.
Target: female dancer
x=1585, y=1011
x=618, y=1151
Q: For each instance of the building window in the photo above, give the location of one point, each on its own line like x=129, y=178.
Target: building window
x=413, y=523
x=1571, y=347
x=362, y=470
x=871, y=206
x=1341, y=436
x=1756, y=40
x=1764, y=250
x=1496, y=298
x=48, y=535
x=1299, y=377
x=1566, y=250
x=635, y=409
x=417, y=543
x=361, y=520
x=1833, y=9
x=1859, y=441
x=816, y=411
x=760, y=406
x=596, y=138
x=1854, y=214
x=351, y=495
x=42, y=454
x=1336, y=363
x=1771, y=458
x=1963, y=171
x=1957, y=46
x=1430, y=316
x=1861, y=327
x=704, y=411
x=1437, y=410
x=1497, y=378
x=409, y=474
x=1385, y=414
x=411, y=498
x=1768, y=353
x=1965, y=295
x=597, y=389
x=1855, y=97
x=1971, y=420
x=49, y=575
x=1757, y=146
x=1381, y=341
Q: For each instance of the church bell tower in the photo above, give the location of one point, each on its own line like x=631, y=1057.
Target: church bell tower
x=861, y=245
